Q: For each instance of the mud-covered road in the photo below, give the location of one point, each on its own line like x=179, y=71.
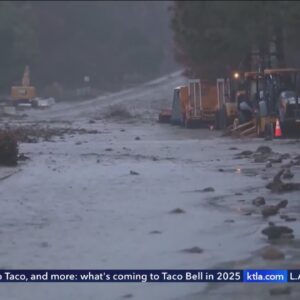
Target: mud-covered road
x=111, y=188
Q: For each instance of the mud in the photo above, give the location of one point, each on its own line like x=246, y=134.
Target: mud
x=272, y=253
x=277, y=186
x=35, y=133
x=77, y=206
x=277, y=232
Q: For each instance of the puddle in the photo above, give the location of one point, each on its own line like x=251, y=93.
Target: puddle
x=242, y=171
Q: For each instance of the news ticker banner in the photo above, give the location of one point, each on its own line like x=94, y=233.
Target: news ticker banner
x=143, y=276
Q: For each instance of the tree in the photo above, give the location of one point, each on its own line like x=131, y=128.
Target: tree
x=214, y=37
x=111, y=41
x=18, y=43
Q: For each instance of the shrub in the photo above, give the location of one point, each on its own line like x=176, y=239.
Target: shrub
x=118, y=111
x=8, y=148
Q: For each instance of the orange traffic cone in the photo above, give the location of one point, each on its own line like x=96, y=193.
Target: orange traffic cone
x=278, y=132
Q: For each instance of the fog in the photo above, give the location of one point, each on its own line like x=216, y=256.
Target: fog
x=114, y=43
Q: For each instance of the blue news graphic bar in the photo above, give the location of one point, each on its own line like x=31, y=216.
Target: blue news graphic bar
x=121, y=276
x=267, y=276
x=294, y=276
x=143, y=276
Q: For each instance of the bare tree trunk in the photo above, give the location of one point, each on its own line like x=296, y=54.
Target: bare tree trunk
x=279, y=45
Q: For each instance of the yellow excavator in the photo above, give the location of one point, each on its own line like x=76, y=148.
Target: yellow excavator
x=25, y=93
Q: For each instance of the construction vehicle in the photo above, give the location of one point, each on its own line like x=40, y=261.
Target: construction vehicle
x=227, y=105
x=198, y=103
x=274, y=97
x=201, y=104
x=231, y=93
x=253, y=86
x=240, y=112
x=176, y=108
x=193, y=105
x=280, y=101
x=165, y=115
x=25, y=93
x=180, y=98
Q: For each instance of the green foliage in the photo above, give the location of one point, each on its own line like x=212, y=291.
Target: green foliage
x=215, y=37
x=8, y=148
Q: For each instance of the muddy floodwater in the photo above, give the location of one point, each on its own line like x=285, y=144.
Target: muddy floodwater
x=105, y=190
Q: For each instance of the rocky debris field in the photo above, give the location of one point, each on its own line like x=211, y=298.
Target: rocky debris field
x=111, y=188
x=37, y=132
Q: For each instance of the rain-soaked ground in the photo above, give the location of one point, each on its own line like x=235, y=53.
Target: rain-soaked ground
x=129, y=193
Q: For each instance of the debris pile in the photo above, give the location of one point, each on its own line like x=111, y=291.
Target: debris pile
x=277, y=291
x=272, y=210
x=134, y=173
x=259, y=201
x=282, y=165
x=207, y=190
x=118, y=111
x=177, y=211
x=263, y=154
x=278, y=186
x=276, y=232
x=272, y=253
x=193, y=250
x=8, y=148
x=244, y=130
x=36, y=133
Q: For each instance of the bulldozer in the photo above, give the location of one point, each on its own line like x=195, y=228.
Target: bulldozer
x=25, y=93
